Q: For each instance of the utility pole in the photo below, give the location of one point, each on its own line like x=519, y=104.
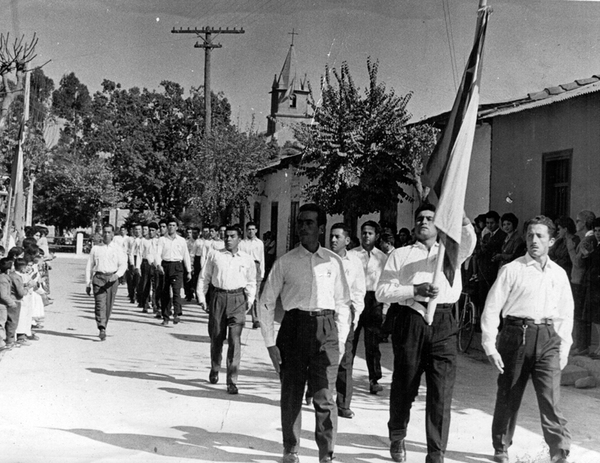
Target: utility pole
x=208, y=45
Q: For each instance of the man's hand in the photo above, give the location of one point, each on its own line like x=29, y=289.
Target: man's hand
x=275, y=357
x=88, y=290
x=189, y=276
x=496, y=360
x=203, y=306
x=426, y=290
x=113, y=277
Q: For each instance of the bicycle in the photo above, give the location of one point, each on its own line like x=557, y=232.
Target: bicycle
x=467, y=322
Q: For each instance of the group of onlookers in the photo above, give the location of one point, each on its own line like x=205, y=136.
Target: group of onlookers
x=24, y=288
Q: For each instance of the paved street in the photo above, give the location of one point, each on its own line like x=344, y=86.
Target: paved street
x=143, y=396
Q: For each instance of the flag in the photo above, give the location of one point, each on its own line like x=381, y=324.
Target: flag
x=447, y=169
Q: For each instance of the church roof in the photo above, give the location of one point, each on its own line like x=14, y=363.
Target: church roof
x=287, y=76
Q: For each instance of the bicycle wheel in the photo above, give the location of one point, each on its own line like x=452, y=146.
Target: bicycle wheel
x=466, y=328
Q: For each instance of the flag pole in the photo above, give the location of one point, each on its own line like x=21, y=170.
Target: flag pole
x=438, y=274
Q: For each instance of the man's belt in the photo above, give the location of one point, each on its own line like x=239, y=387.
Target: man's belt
x=444, y=307
x=312, y=313
x=172, y=261
x=519, y=321
x=105, y=274
x=229, y=291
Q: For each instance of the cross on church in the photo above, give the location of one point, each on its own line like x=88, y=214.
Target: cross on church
x=292, y=34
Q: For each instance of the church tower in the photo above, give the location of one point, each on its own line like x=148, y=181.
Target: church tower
x=289, y=96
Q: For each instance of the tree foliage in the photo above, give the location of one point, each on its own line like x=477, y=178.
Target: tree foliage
x=360, y=154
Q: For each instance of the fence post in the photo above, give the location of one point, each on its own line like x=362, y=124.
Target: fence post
x=79, y=246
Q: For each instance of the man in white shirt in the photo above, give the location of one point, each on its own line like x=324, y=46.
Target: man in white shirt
x=145, y=265
x=339, y=239
x=106, y=264
x=133, y=256
x=316, y=299
x=533, y=296
x=173, y=261
x=407, y=279
x=254, y=247
x=122, y=240
x=371, y=319
x=232, y=274
x=191, y=237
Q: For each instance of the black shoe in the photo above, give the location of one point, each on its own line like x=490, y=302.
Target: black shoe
x=290, y=457
x=375, y=387
x=255, y=325
x=165, y=322
x=398, y=450
x=102, y=334
x=157, y=315
x=213, y=377
x=560, y=457
x=176, y=320
x=345, y=413
x=500, y=456
x=144, y=310
x=232, y=389
x=327, y=459
x=308, y=398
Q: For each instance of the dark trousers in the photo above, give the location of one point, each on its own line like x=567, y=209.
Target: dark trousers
x=105, y=292
x=309, y=352
x=529, y=351
x=227, y=315
x=132, y=276
x=419, y=347
x=370, y=321
x=144, y=285
x=344, y=383
x=173, y=281
x=12, y=321
x=582, y=328
x=196, y=272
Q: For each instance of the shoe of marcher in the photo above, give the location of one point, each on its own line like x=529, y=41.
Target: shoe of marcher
x=255, y=325
x=345, y=413
x=213, y=377
x=6, y=347
x=33, y=337
x=157, y=315
x=176, y=320
x=327, y=459
x=232, y=389
x=165, y=322
x=398, y=450
x=308, y=398
x=290, y=457
x=23, y=341
x=375, y=387
x=102, y=334
x=560, y=457
x=501, y=456
x=144, y=310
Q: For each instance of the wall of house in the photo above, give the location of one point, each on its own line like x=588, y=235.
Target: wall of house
x=477, y=199
x=519, y=142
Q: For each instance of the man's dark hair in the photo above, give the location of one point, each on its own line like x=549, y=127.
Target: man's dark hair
x=235, y=228
x=20, y=265
x=28, y=242
x=342, y=226
x=493, y=215
x=106, y=225
x=374, y=225
x=163, y=222
x=196, y=229
x=568, y=223
x=424, y=207
x=250, y=224
x=596, y=223
x=172, y=220
x=405, y=230
x=388, y=238
x=15, y=251
x=214, y=227
x=312, y=207
x=510, y=217
x=6, y=264
x=543, y=220
x=153, y=225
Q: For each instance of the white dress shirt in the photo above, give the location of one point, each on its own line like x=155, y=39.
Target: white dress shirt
x=105, y=259
x=173, y=249
x=145, y=249
x=256, y=249
x=228, y=271
x=122, y=241
x=355, y=276
x=310, y=282
x=413, y=265
x=373, y=263
x=526, y=290
x=134, y=250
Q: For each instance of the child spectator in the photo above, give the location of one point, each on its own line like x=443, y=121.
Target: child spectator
x=7, y=304
x=18, y=291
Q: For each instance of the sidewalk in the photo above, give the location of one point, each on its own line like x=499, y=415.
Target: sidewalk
x=143, y=396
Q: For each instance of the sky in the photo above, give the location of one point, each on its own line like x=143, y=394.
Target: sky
x=530, y=45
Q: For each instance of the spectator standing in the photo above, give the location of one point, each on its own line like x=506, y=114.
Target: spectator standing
x=513, y=245
x=491, y=244
x=592, y=285
x=559, y=253
x=255, y=248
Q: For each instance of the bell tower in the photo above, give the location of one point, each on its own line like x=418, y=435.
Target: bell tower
x=289, y=95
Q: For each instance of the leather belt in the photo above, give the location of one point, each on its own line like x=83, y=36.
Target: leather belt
x=313, y=313
x=528, y=321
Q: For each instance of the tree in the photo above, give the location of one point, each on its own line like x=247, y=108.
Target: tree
x=14, y=60
x=360, y=154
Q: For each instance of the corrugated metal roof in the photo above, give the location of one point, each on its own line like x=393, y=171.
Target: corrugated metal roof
x=545, y=97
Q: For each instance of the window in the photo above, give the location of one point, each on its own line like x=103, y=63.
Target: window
x=556, y=183
x=256, y=215
x=274, y=219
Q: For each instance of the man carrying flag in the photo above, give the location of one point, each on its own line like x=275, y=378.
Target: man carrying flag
x=424, y=331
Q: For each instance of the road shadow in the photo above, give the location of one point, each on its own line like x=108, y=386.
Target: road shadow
x=83, y=337
x=191, y=337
